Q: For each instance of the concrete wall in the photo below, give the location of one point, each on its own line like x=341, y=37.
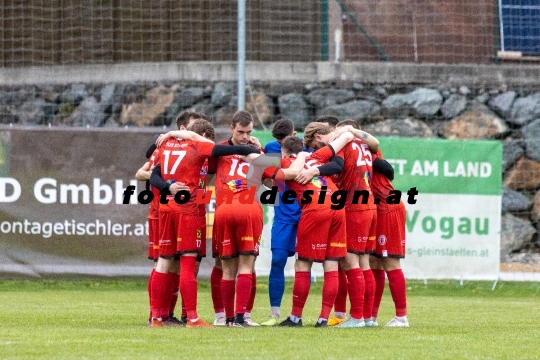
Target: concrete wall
x=365, y=72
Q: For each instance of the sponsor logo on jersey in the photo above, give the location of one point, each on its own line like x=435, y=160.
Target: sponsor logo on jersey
x=319, y=182
x=234, y=184
x=367, y=178
x=199, y=234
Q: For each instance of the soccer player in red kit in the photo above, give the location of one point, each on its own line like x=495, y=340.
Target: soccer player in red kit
x=360, y=217
x=180, y=229
x=183, y=121
x=238, y=223
x=390, y=245
x=321, y=230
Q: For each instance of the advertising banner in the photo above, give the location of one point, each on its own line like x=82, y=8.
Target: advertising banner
x=61, y=202
x=62, y=205
x=453, y=227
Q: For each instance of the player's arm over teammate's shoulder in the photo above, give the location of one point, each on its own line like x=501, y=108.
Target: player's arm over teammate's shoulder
x=369, y=139
x=182, y=134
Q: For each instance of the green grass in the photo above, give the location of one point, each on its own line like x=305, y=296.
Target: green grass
x=107, y=319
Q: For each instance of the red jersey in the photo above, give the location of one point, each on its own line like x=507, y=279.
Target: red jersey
x=154, y=204
x=231, y=171
x=356, y=174
x=381, y=187
x=181, y=161
x=202, y=186
x=319, y=157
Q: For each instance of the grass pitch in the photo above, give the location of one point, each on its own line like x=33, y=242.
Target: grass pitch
x=107, y=320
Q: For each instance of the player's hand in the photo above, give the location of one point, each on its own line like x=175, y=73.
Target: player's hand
x=255, y=141
x=178, y=186
x=306, y=175
x=145, y=175
x=162, y=138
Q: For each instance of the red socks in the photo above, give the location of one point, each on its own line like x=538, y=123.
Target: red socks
x=227, y=294
x=150, y=290
x=380, y=279
x=251, y=301
x=188, y=285
x=161, y=295
x=356, y=286
x=175, y=291
x=243, y=292
x=340, y=305
x=329, y=293
x=215, y=289
x=369, y=294
x=302, y=283
x=397, y=284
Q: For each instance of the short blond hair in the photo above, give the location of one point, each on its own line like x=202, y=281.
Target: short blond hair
x=315, y=128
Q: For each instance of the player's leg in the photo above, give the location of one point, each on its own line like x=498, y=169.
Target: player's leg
x=398, y=289
x=162, y=283
x=395, y=242
x=215, y=289
x=302, y=283
x=251, y=302
x=243, y=288
x=174, y=273
x=355, y=288
x=369, y=294
x=153, y=254
x=340, y=305
x=228, y=286
x=329, y=291
x=336, y=250
x=161, y=290
x=380, y=279
x=221, y=233
x=283, y=241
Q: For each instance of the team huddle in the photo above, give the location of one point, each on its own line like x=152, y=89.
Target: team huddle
x=359, y=245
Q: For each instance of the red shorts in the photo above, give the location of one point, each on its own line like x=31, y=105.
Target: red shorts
x=202, y=226
x=391, y=233
x=321, y=236
x=179, y=234
x=238, y=229
x=361, y=231
x=153, y=239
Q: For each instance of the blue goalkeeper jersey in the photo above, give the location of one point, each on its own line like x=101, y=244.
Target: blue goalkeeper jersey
x=286, y=213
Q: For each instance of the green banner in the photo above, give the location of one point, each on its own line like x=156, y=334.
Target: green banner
x=436, y=166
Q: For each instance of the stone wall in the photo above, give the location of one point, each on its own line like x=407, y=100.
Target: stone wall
x=443, y=110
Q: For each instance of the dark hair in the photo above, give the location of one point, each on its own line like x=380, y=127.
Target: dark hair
x=351, y=122
x=282, y=128
x=207, y=118
x=183, y=118
x=292, y=145
x=330, y=120
x=241, y=117
x=201, y=127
